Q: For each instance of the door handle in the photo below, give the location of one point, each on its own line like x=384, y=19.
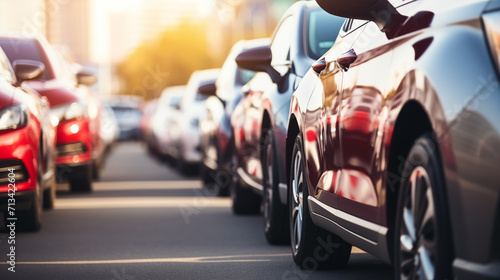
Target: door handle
x=319, y=65
x=346, y=59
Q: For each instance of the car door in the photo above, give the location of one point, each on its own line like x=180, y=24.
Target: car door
x=360, y=123
x=322, y=142
x=263, y=84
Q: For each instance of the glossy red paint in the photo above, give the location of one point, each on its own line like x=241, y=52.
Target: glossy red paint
x=61, y=89
x=57, y=92
x=65, y=135
x=21, y=144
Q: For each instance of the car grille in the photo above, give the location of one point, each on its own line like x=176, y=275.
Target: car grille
x=20, y=172
x=71, y=149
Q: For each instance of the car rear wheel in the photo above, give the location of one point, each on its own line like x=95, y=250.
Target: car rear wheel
x=81, y=180
x=276, y=228
x=312, y=247
x=49, y=195
x=32, y=218
x=422, y=236
x=245, y=201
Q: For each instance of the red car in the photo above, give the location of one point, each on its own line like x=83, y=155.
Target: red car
x=71, y=110
x=27, y=175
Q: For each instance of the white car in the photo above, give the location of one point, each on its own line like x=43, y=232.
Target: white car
x=185, y=131
x=163, y=119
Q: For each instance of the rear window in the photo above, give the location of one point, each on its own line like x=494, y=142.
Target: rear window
x=26, y=49
x=323, y=29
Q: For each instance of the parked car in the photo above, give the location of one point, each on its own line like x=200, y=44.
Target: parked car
x=162, y=120
x=147, y=111
x=184, y=131
x=128, y=113
x=70, y=113
x=215, y=124
x=27, y=169
x=109, y=128
x=393, y=141
x=304, y=34
x=95, y=108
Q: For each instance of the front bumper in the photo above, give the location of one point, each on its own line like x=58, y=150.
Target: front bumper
x=23, y=201
x=18, y=152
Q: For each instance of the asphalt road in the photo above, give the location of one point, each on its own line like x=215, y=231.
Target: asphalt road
x=145, y=221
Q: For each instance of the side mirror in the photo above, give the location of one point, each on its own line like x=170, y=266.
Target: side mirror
x=207, y=89
x=85, y=77
x=258, y=59
x=27, y=69
x=379, y=11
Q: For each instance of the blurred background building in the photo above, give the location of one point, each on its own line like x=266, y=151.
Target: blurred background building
x=104, y=33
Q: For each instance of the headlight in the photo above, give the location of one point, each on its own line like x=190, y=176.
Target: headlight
x=492, y=28
x=67, y=112
x=13, y=117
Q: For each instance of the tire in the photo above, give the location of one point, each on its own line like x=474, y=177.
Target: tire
x=422, y=239
x=49, y=195
x=216, y=181
x=312, y=247
x=245, y=201
x=81, y=181
x=96, y=171
x=276, y=227
x=31, y=219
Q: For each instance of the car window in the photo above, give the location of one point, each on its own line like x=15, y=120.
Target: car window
x=175, y=101
x=323, y=29
x=245, y=76
x=350, y=25
x=280, y=47
x=26, y=49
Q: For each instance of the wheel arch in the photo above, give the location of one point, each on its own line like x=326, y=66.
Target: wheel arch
x=412, y=122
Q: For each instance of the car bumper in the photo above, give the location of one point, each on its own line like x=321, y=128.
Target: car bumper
x=74, y=142
x=129, y=133
x=23, y=201
x=18, y=152
x=64, y=172
x=468, y=270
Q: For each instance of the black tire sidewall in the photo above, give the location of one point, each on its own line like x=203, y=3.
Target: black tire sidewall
x=425, y=154
x=277, y=232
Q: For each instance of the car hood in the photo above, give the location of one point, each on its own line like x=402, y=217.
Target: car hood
x=57, y=92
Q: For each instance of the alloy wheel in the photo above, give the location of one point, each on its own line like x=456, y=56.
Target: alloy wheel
x=297, y=200
x=418, y=229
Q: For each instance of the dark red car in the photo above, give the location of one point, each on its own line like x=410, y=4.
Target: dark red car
x=393, y=141
x=71, y=109
x=27, y=172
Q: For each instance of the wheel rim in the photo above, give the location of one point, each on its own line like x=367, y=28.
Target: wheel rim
x=418, y=229
x=297, y=200
x=268, y=194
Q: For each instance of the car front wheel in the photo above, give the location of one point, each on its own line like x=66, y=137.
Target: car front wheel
x=422, y=236
x=276, y=228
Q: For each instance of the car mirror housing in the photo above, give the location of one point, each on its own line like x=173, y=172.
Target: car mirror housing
x=85, y=77
x=207, y=89
x=258, y=59
x=27, y=69
x=379, y=11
